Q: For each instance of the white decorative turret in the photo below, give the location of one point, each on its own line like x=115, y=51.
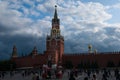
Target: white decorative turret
x=95, y=51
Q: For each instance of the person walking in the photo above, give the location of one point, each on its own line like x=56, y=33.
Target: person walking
x=86, y=78
x=104, y=77
x=94, y=77
x=72, y=77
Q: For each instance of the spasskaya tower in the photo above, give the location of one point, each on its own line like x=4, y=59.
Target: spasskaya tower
x=55, y=41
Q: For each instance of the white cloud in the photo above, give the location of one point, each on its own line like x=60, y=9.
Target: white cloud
x=26, y=11
x=41, y=7
x=35, y=13
x=116, y=6
x=30, y=2
x=94, y=12
x=80, y=22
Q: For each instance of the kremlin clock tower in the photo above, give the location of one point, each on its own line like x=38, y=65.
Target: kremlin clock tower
x=54, y=41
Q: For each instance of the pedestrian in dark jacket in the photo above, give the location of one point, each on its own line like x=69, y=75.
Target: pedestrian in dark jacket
x=72, y=77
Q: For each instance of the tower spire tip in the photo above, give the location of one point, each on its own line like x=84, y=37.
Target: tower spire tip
x=55, y=5
x=55, y=14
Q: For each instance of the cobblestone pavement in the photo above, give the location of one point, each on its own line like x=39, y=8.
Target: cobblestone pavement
x=18, y=76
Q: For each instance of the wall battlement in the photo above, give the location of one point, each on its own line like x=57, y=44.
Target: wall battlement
x=100, y=53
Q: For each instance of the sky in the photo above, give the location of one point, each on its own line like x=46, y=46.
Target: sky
x=26, y=23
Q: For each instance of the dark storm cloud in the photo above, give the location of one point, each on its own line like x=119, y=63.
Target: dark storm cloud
x=24, y=44
x=79, y=43
x=105, y=40
x=5, y=28
x=110, y=30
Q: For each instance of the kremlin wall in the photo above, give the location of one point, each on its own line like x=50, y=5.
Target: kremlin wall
x=55, y=52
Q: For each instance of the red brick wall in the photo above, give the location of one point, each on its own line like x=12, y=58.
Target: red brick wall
x=39, y=60
x=101, y=59
x=30, y=61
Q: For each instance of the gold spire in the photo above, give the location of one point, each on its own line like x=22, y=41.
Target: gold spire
x=14, y=52
x=89, y=48
x=34, y=52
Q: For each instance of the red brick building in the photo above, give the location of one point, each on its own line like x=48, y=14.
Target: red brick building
x=55, y=52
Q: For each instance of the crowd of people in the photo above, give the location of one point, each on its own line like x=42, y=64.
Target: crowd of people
x=106, y=74
x=72, y=74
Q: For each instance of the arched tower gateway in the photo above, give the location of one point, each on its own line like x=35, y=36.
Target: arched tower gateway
x=54, y=41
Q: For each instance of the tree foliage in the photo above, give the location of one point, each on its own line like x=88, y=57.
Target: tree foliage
x=68, y=64
x=7, y=65
x=88, y=65
x=110, y=64
x=119, y=64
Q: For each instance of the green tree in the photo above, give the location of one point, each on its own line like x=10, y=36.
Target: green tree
x=7, y=65
x=69, y=64
x=119, y=64
x=84, y=65
x=94, y=65
x=110, y=64
x=80, y=65
x=88, y=65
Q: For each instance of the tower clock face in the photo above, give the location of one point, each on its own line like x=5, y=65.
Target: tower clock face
x=54, y=31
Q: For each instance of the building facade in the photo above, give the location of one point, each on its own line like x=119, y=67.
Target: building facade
x=55, y=52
